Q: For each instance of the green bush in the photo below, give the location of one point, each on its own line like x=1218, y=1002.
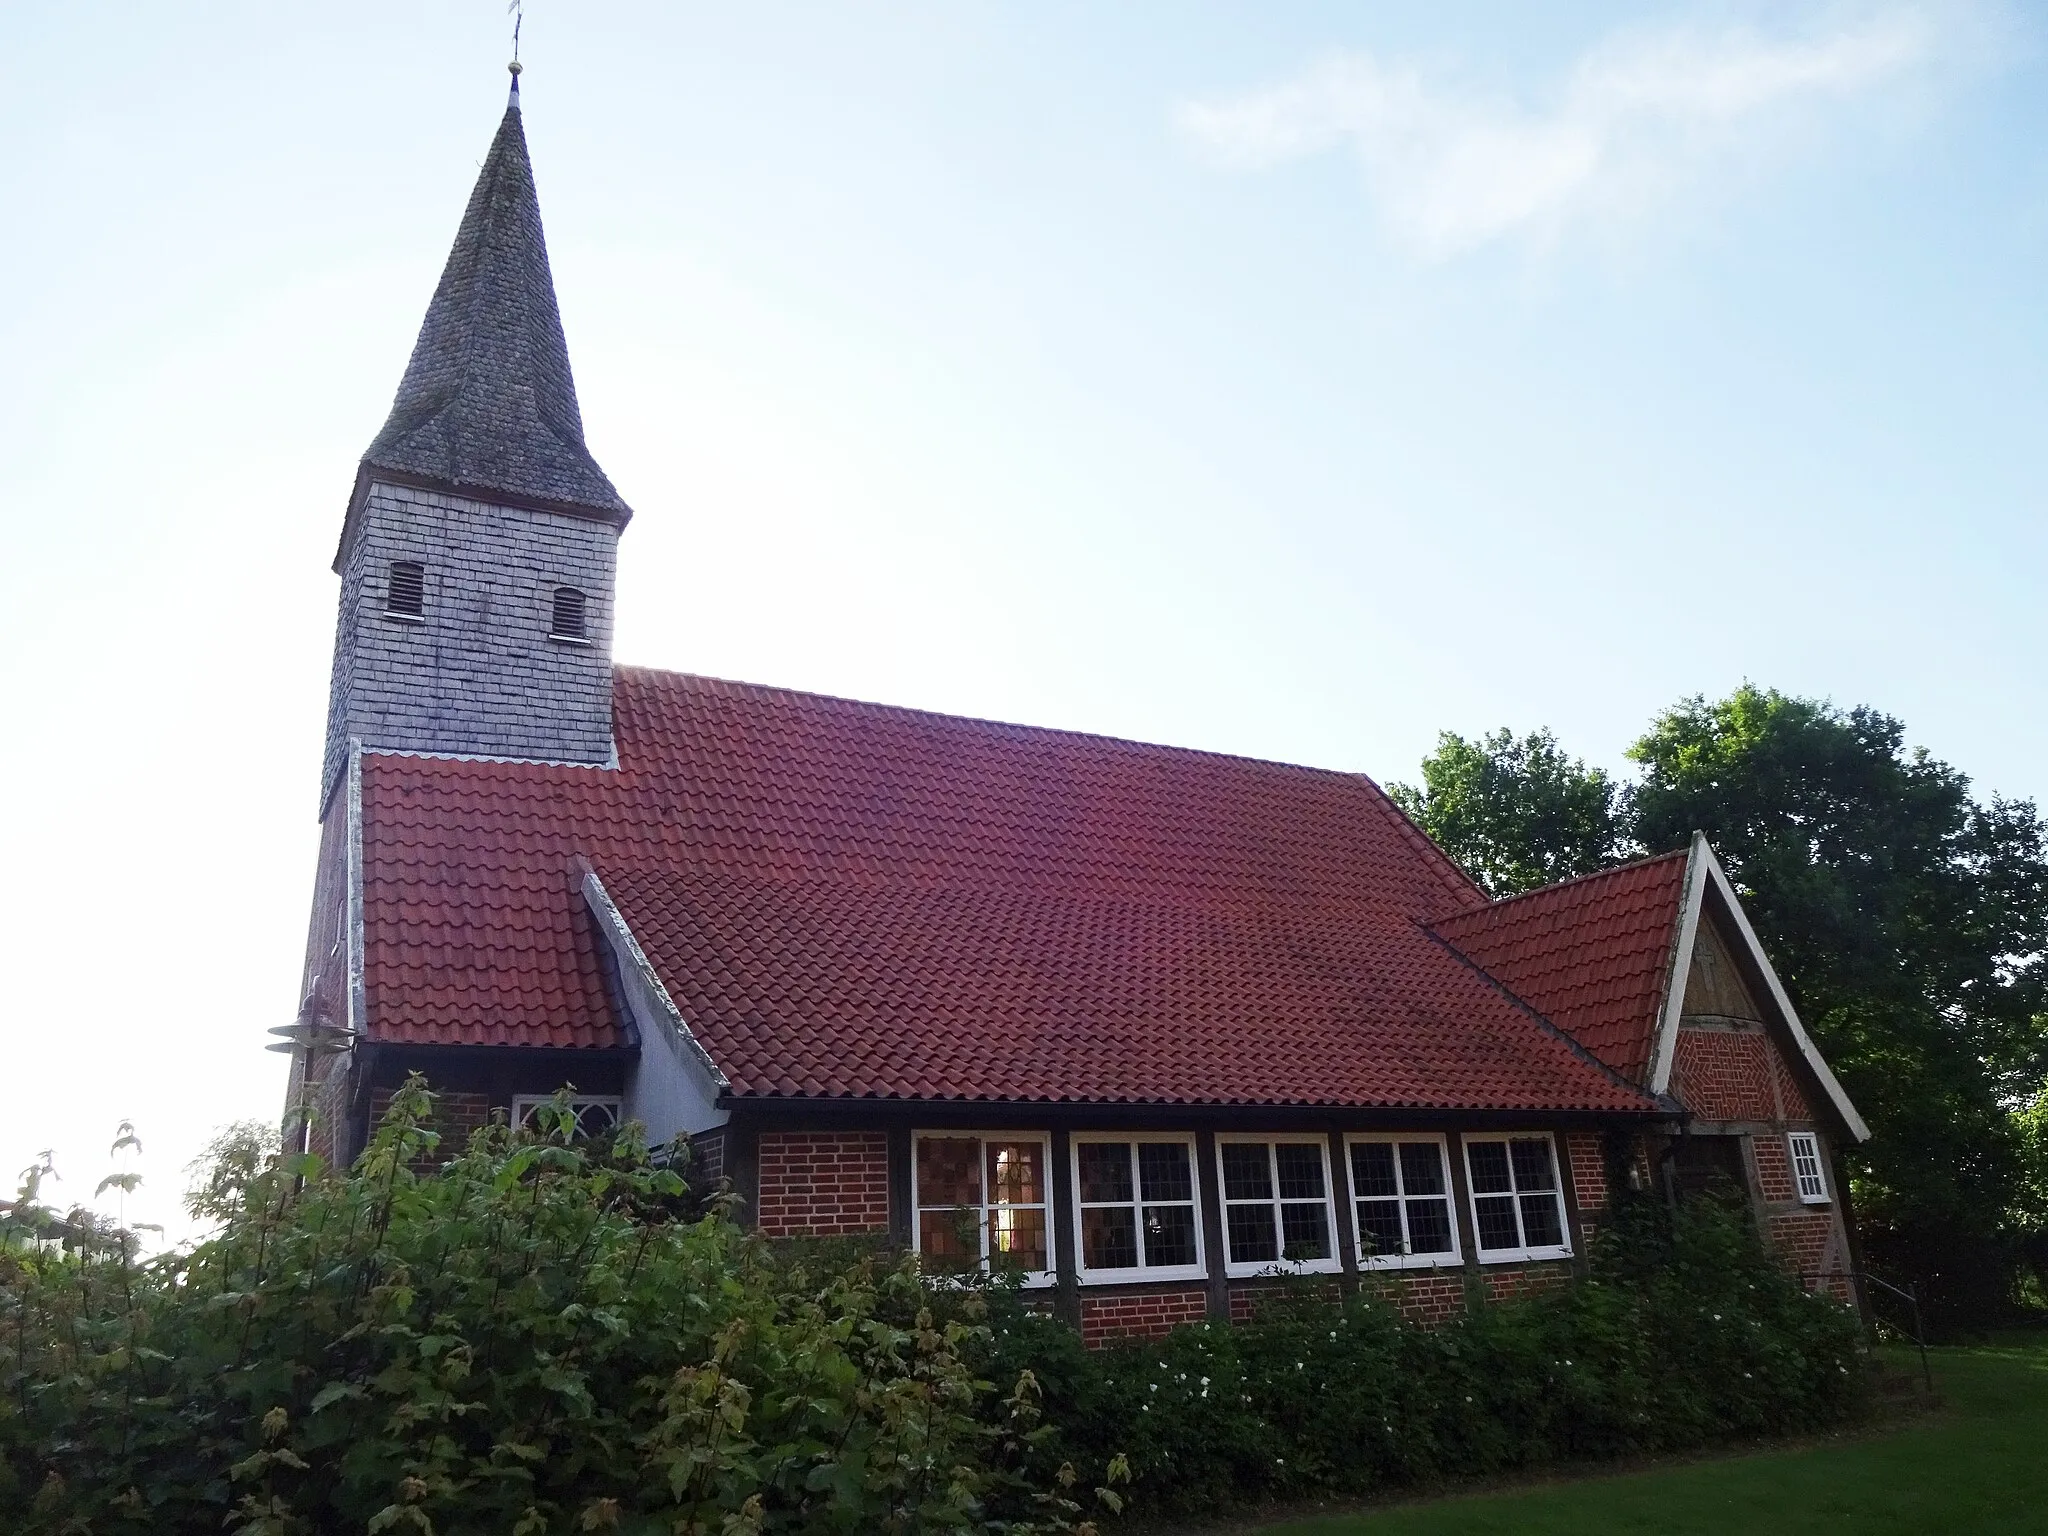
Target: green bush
x=1687, y=1332
x=542, y=1336
x=545, y=1335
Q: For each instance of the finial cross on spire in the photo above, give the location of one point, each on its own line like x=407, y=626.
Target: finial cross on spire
x=517, y=11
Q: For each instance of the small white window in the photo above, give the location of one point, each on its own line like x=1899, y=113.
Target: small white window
x=1806, y=1168
x=980, y=1199
x=569, y=618
x=596, y=1115
x=1517, y=1199
x=1401, y=1202
x=1276, y=1204
x=1135, y=1212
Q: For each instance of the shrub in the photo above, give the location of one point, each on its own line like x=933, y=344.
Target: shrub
x=1687, y=1332
x=541, y=1336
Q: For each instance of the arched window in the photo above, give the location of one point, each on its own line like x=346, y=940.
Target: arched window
x=405, y=592
x=569, y=621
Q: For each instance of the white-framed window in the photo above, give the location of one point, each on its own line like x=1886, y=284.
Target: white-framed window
x=980, y=1201
x=1808, y=1172
x=1517, y=1197
x=1135, y=1214
x=596, y=1114
x=1401, y=1201
x=1276, y=1204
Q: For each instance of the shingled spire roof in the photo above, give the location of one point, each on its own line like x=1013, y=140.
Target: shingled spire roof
x=488, y=405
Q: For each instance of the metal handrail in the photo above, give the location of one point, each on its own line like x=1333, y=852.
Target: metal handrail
x=1910, y=1295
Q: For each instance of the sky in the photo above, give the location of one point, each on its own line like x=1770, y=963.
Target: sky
x=1297, y=380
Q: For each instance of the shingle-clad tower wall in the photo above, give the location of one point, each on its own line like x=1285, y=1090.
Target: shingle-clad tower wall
x=477, y=513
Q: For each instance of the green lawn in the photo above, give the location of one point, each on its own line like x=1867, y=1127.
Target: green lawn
x=1981, y=1464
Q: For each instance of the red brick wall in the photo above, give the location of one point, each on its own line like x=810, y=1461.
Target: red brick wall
x=1804, y=1240
x=707, y=1157
x=823, y=1183
x=1774, y=1167
x=1588, y=1159
x=1506, y=1281
x=1724, y=1075
x=1795, y=1106
x=1110, y=1315
x=1425, y=1296
x=455, y=1116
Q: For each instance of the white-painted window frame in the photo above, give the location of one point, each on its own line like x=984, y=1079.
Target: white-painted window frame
x=1238, y=1270
x=1404, y=1260
x=524, y=1104
x=1813, y=1187
x=1030, y=1278
x=1524, y=1254
x=1199, y=1270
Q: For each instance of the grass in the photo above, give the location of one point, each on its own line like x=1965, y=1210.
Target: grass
x=1979, y=1464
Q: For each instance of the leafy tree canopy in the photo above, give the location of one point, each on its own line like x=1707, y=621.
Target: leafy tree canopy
x=1515, y=811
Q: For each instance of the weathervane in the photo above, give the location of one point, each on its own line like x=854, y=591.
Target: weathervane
x=517, y=11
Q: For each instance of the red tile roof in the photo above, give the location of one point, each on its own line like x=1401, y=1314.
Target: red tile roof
x=1592, y=955
x=847, y=899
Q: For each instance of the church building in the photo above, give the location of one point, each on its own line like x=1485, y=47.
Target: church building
x=1149, y=1026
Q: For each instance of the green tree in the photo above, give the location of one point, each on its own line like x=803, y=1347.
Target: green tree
x=1515, y=811
x=1907, y=920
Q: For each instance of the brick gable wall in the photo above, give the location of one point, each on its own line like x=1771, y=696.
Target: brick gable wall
x=1724, y=1074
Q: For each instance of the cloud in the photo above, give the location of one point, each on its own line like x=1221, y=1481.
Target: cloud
x=1637, y=118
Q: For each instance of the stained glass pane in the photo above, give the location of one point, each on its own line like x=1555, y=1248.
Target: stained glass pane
x=1532, y=1163
x=1164, y=1172
x=1109, y=1237
x=1379, y=1228
x=1306, y=1231
x=1015, y=1174
x=1301, y=1170
x=1372, y=1169
x=1252, y=1236
x=948, y=1170
x=1422, y=1168
x=1539, y=1221
x=1246, y=1173
x=1429, y=1226
x=1169, y=1235
x=1489, y=1161
x=1105, y=1171
x=947, y=1238
x=1497, y=1227
x=1016, y=1238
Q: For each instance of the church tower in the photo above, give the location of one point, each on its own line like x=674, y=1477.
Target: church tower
x=477, y=559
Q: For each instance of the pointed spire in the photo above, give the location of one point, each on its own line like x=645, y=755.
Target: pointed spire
x=488, y=404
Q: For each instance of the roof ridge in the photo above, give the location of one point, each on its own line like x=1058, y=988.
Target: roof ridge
x=1558, y=885
x=1098, y=737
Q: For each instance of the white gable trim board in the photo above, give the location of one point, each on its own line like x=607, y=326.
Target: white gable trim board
x=1703, y=869
x=674, y=1085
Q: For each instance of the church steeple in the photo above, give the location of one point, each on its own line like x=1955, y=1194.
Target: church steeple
x=478, y=558
x=488, y=402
